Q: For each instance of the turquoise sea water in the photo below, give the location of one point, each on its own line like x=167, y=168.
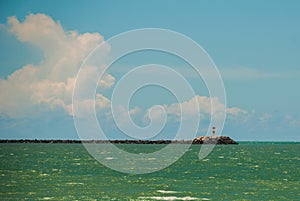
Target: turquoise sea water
x=249, y=171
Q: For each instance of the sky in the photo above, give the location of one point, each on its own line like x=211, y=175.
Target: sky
x=255, y=45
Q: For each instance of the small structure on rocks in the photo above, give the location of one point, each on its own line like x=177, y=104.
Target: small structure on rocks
x=213, y=139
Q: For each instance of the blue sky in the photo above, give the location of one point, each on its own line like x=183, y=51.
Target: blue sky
x=255, y=45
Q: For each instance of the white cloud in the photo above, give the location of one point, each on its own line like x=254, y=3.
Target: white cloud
x=124, y=117
x=157, y=119
x=86, y=107
x=291, y=120
x=253, y=73
x=235, y=111
x=49, y=84
x=238, y=73
x=205, y=107
x=190, y=109
x=265, y=117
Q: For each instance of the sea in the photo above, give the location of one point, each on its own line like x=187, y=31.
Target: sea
x=248, y=171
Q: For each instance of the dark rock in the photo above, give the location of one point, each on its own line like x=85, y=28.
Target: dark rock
x=214, y=140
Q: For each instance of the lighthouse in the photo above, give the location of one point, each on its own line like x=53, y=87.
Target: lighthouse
x=213, y=131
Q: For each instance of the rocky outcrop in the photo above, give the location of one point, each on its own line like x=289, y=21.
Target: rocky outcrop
x=214, y=140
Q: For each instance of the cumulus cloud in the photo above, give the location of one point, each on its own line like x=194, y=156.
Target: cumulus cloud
x=155, y=116
x=265, y=117
x=189, y=108
x=205, y=107
x=86, y=107
x=49, y=84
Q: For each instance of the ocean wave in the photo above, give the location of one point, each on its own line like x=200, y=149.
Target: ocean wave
x=171, y=198
x=163, y=191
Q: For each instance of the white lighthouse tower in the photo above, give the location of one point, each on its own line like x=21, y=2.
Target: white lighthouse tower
x=213, y=131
